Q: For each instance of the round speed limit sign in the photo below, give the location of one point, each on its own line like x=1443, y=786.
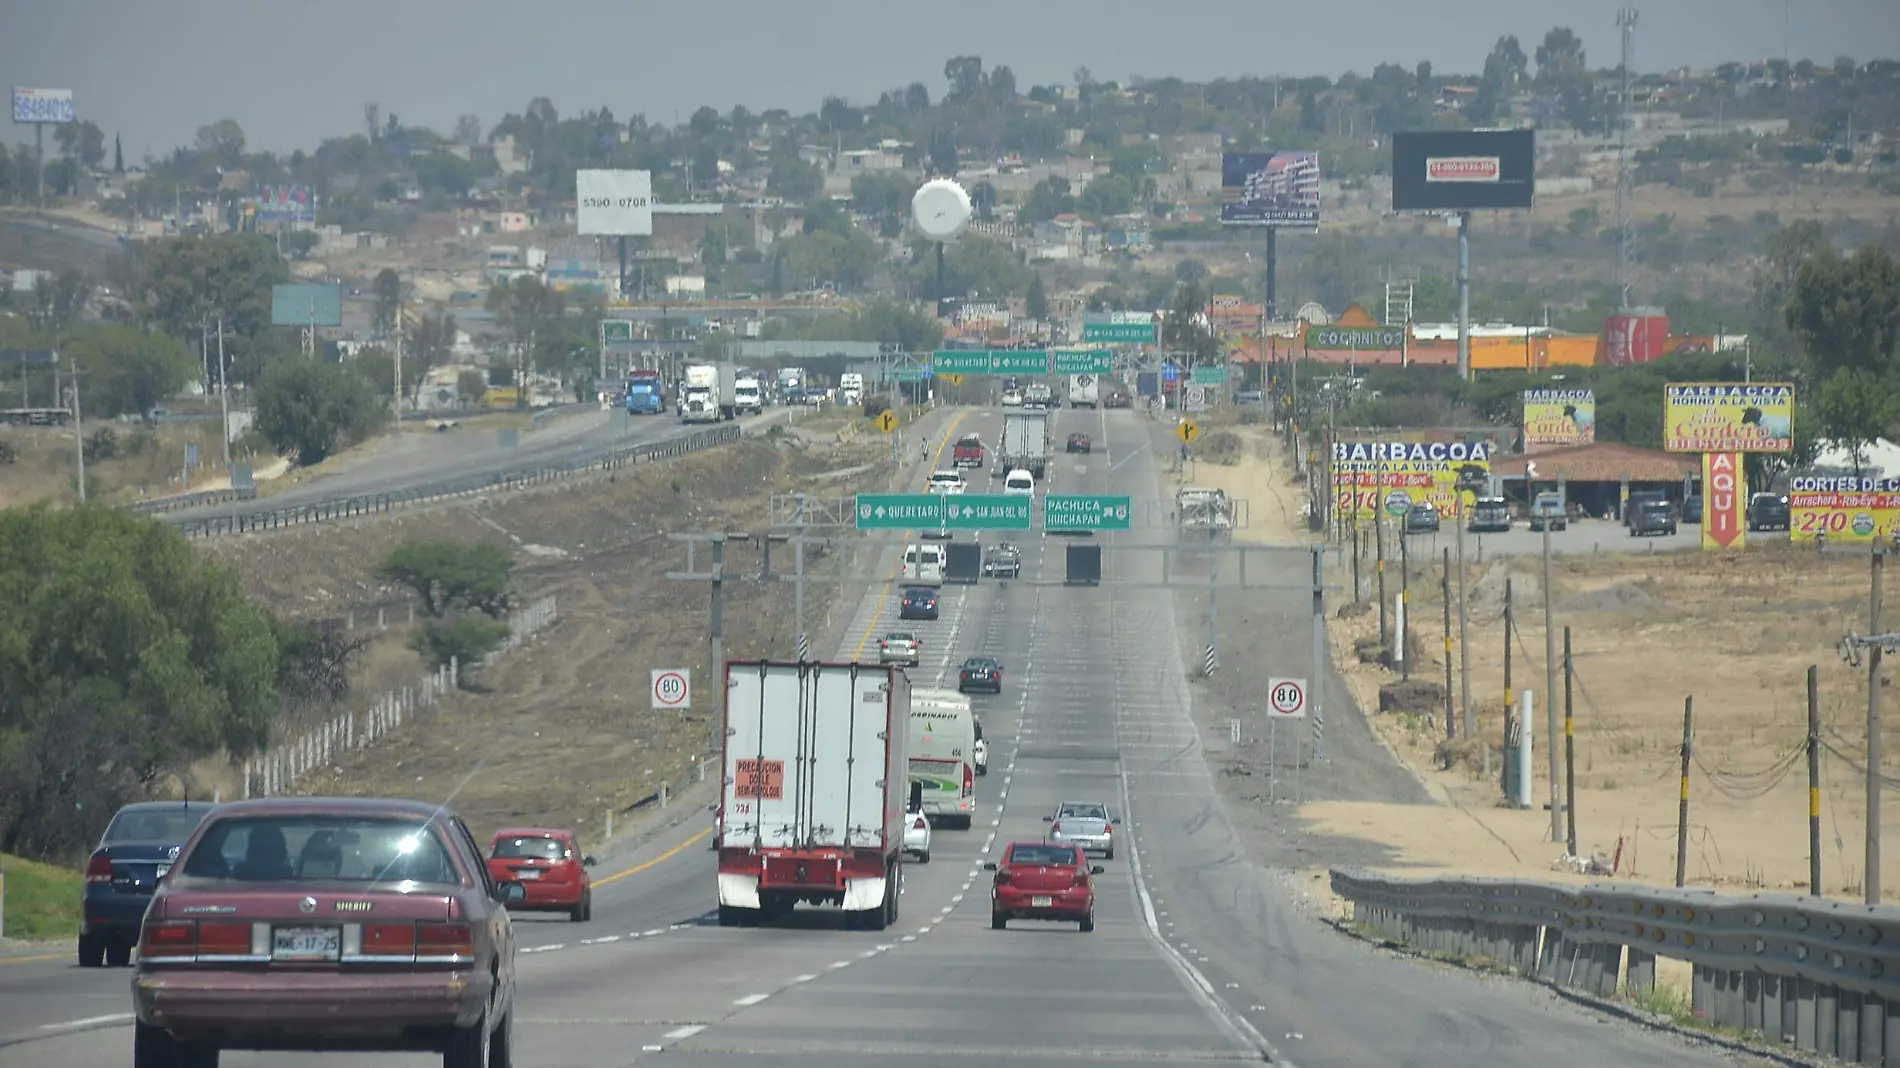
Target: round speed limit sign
x=1286, y=698
x=672, y=688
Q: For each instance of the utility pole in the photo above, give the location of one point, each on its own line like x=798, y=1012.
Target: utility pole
x=1464, y=645
x=224, y=408
x=1464, y=296
x=1626, y=27
x=79, y=434
x=1550, y=698
x=395, y=399
x=1871, y=878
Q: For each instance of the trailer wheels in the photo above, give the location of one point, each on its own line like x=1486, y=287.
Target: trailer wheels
x=733, y=916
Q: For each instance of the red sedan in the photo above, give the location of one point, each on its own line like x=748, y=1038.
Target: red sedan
x=325, y=924
x=1043, y=881
x=550, y=867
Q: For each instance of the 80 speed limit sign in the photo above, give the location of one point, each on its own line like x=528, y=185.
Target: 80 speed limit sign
x=1286, y=698
x=672, y=688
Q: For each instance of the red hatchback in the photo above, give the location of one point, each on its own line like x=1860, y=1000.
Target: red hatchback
x=1043, y=881
x=324, y=924
x=550, y=867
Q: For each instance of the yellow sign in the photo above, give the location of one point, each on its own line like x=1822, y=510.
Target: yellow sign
x=1187, y=431
x=1559, y=417
x=887, y=420
x=1366, y=474
x=1843, y=509
x=955, y=380
x=1728, y=417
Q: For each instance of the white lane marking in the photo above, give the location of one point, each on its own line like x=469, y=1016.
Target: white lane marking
x=655, y=931
x=867, y=954
x=945, y=910
x=925, y=929
x=601, y=941
x=89, y=1021
x=836, y=964
x=750, y=1000
x=684, y=1032
x=908, y=938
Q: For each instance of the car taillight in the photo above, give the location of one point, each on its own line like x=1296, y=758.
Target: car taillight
x=1054, y=827
x=389, y=940
x=163, y=939
x=920, y=824
x=445, y=943
x=1081, y=877
x=1108, y=828
x=99, y=869
x=1002, y=877
x=224, y=939
x=969, y=779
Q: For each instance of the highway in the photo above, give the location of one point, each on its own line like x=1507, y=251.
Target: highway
x=417, y=460
x=1198, y=957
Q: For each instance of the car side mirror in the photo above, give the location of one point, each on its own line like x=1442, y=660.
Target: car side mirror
x=1117, y=821
x=1098, y=870
x=512, y=893
x=589, y=861
x=714, y=807
x=1048, y=819
x=989, y=866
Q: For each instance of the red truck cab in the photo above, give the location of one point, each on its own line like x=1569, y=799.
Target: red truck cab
x=968, y=452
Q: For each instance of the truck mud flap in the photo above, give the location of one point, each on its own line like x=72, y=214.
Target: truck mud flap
x=801, y=873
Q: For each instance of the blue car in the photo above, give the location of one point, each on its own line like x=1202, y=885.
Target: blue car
x=133, y=855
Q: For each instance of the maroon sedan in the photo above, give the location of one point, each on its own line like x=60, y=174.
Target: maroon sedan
x=327, y=924
x=1043, y=881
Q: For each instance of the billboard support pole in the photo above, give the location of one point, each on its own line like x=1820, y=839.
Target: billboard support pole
x=1464, y=296
x=623, y=278
x=1273, y=272
x=39, y=159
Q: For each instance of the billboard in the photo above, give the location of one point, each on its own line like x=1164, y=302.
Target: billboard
x=50, y=106
x=1723, y=510
x=285, y=205
x=1477, y=170
x=614, y=203
x=1366, y=474
x=1269, y=189
x=306, y=305
x=1843, y=509
x=1728, y=417
x=1559, y=417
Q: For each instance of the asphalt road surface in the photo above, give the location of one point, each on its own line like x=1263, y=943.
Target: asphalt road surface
x=1582, y=536
x=1198, y=956
x=417, y=460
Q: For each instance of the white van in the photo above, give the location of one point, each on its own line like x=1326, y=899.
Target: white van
x=923, y=565
x=1019, y=483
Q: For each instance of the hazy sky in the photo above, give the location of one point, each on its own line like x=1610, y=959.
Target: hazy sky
x=292, y=74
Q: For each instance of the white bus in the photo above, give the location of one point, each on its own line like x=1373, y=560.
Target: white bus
x=943, y=755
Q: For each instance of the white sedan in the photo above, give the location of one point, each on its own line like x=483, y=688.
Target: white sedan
x=946, y=483
x=917, y=835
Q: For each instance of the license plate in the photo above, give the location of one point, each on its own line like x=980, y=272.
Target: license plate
x=306, y=943
x=529, y=875
x=1041, y=902
x=162, y=869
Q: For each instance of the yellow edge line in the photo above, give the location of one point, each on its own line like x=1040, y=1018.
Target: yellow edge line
x=35, y=957
x=949, y=435
x=643, y=866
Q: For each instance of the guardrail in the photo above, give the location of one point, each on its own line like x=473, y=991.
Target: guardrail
x=375, y=503
x=1818, y=975
x=180, y=501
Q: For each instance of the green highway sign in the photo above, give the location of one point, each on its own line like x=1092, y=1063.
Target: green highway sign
x=1081, y=362
x=981, y=511
x=910, y=374
x=1019, y=361
x=899, y=511
x=1120, y=328
x=1085, y=512
x=960, y=362
x=1210, y=376
x=612, y=330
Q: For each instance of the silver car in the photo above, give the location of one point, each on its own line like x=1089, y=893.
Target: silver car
x=1085, y=823
x=899, y=647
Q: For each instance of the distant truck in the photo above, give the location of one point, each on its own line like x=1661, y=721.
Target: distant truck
x=748, y=394
x=1085, y=391
x=707, y=395
x=646, y=393
x=816, y=784
x=791, y=385
x=1025, y=443
x=967, y=452
x=1039, y=394
x=851, y=388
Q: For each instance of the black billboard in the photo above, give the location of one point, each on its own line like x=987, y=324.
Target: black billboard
x=1484, y=170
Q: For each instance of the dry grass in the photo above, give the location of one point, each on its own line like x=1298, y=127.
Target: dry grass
x=150, y=463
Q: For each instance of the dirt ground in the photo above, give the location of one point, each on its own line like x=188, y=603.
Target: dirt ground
x=1648, y=630
x=150, y=463
x=562, y=729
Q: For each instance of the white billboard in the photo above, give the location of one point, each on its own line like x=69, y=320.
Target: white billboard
x=54, y=106
x=615, y=203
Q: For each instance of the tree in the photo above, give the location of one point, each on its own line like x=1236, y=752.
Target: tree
x=118, y=155
x=312, y=408
x=299, y=244
x=177, y=284
x=430, y=344
x=470, y=386
x=58, y=304
x=1845, y=311
x=1774, y=276
x=528, y=312
x=84, y=142
x=794, y=179
x=440, y=172
x=450, y=576
x=125, y=655
x=129, y=371
x=965, y=75
x=1036, y=299
x=222, y=142
x=386, y=292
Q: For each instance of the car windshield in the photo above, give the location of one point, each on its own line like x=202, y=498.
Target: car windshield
x=978, y=664
x=329, y=848
x=170, y=825
x=1052, y=856
x=536, y=847
x=1083, y=812
x=1656, y=507
x=898, y=636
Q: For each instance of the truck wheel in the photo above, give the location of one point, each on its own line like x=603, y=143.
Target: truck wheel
x=998, y=921
x=118, y=955
x=733, y=916
x=1088, y=923
x=923, y=857
x=92, y=952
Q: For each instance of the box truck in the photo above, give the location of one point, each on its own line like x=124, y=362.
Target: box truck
x=816, y=783
x=1084, y=390
x=707, y=394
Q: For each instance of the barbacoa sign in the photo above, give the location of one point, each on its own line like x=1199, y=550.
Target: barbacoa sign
x=1411, y=452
